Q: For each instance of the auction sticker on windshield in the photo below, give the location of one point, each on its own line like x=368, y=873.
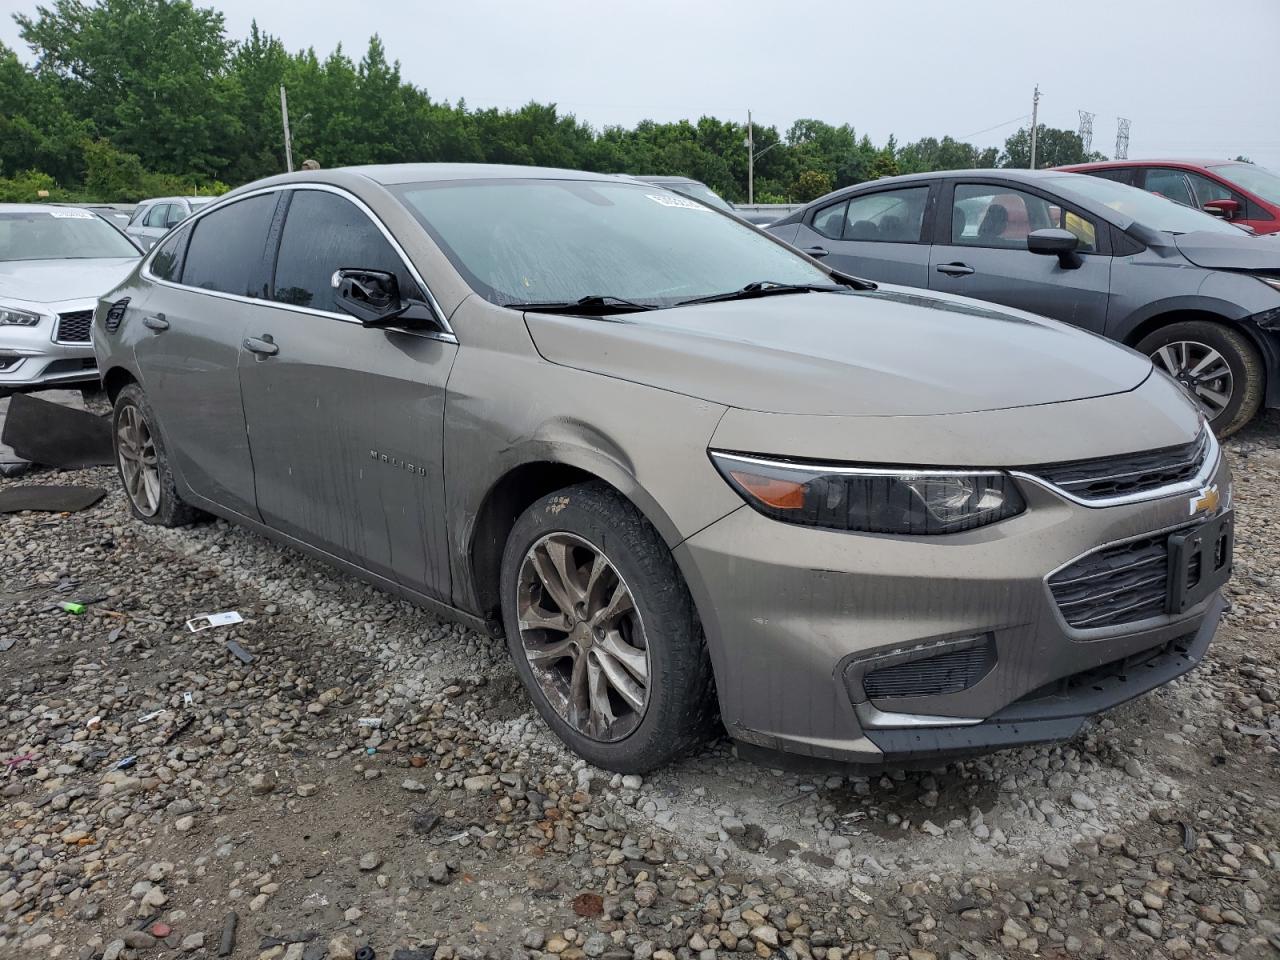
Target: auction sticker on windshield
x=671, y=200
x=70, y=213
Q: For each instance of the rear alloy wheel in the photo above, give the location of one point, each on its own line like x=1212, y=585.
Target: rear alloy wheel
x=1218, y=367
x=143, y=464
x=603, y=631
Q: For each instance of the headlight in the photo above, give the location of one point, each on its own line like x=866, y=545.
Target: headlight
x=872, y=500
x=11, y=317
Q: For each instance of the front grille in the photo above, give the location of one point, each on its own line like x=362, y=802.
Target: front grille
x=949, y=672
x=75, y=327
x=1118, y=584
x=1106, y=477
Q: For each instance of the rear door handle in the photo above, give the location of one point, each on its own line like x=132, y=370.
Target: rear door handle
x=818, y=252
x=955, y=269
x=264, y=346
x=156, y=322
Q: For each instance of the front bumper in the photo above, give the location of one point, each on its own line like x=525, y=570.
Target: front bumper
x=34, y=357
x=791, y=612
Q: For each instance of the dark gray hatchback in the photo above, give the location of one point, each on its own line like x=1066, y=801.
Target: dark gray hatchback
x=1197, y=295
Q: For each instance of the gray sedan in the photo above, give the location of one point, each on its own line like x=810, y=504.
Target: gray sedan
x=1199, y=296
x=683, y=469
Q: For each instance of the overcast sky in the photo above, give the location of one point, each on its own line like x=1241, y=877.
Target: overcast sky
x=1195, y=79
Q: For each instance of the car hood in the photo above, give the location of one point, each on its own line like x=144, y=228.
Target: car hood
x=1225, y=251
x=53, y=281
x=889, y=352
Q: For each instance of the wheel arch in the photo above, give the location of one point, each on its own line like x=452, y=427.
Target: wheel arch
x=116, y=379
x=512, y=493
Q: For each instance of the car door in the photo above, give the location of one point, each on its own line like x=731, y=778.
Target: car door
x=346, y=422
x=980, y=251
x=205, y=278
x=880, y=235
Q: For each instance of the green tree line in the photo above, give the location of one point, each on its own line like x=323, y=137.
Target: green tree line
x=132, y=98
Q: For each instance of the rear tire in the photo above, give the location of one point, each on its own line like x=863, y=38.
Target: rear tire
x=143, y=463
x=606, y=545
x=1180, y=348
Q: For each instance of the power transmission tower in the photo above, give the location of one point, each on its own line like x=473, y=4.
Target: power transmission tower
x=1086, y=130
x=1035, y=113
x=1122, y=138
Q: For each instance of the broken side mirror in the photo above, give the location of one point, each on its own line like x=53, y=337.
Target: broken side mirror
x=373, y=297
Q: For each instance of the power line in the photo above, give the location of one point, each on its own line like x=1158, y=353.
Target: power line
x=997, y=126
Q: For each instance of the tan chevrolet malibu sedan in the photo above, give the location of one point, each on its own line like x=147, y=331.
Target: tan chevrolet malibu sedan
x=691, y=475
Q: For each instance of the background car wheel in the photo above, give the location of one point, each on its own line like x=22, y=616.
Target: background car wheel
x=143, y=464
x=603, y=631
x=1216, y=365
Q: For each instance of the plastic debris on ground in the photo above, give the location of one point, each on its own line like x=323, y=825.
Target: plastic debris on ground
x=207, y=620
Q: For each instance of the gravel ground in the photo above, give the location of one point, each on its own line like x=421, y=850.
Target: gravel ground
x=376, y=778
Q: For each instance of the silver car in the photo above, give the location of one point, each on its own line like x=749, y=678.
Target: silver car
x=684, y=470
x=152, y=219
x=54, y=264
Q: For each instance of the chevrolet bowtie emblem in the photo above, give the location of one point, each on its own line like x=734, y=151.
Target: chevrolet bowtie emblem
x=1206, y=501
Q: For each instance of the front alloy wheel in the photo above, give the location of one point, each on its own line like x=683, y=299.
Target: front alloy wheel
x=583, y=637
x=1216, y=364
x=603, y=632
x=1201, y=370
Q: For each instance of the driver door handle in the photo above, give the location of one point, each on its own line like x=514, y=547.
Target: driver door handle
x=955, y=269
x=264, y=346
x=818, y=252
x=156, y=322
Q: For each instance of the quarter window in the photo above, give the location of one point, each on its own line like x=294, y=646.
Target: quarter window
x=227, y=247
x=323, y=233
x=989, y=216
x=167, y=263
x=891, y=216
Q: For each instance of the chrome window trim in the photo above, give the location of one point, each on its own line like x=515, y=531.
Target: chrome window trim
x=1213, y=456
x=446, y=336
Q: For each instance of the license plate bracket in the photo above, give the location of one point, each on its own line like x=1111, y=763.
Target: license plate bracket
x=1199, y=562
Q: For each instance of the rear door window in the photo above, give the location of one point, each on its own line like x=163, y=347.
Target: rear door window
x=1172, y=184
x=227, y=248
x=890, y=216
x=157, y=216
x=322, y=234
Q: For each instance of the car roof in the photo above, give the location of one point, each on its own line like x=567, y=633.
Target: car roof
x=659, y=178
x=1147, y=162
x=172, y=199
x=395, y=173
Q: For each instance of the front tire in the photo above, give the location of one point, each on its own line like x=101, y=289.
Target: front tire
x=1218, y=367
x=603, y=631
x=143, y=463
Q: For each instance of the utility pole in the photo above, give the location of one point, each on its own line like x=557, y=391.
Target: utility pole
x=751, y=161
x=1035, y=113
x=288, y=138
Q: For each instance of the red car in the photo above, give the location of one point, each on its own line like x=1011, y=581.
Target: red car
x=1244, y=193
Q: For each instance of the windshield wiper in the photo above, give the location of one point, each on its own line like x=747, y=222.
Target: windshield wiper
x=593, y=304
x=762, y=288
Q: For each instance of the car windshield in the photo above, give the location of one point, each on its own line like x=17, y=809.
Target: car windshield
x=700, y=191
x=59, y=234
x=558, y=241
x=1148, y=209
x=1253, y=178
